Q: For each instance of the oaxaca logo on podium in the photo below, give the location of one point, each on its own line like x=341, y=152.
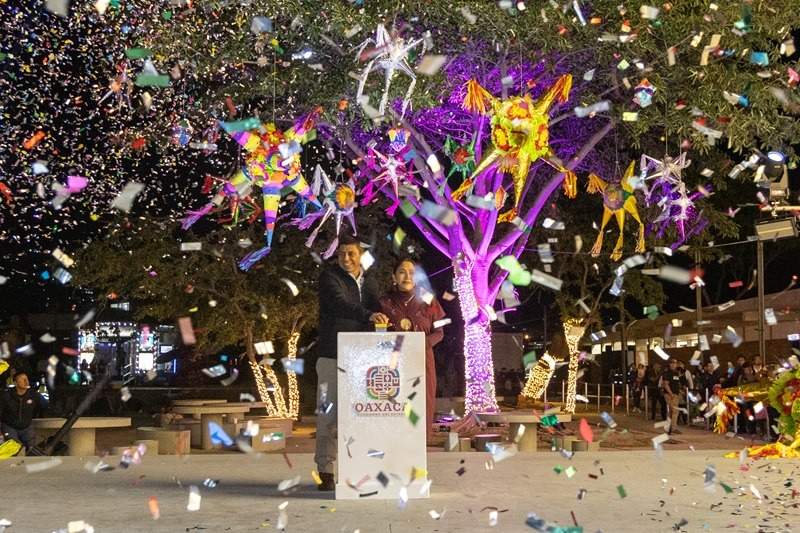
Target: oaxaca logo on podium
x=383, y=387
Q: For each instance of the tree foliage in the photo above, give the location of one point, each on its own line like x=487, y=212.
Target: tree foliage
x=221, y=56
x=720, y=72
x=144, y=262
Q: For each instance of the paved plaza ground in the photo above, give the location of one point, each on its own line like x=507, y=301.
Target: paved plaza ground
x=662, y=493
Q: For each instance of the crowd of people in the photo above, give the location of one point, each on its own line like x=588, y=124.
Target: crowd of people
x=676, y=391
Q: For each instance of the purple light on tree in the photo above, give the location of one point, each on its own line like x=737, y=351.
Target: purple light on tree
x=471, y=237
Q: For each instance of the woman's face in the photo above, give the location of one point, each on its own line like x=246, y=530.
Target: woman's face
x=404, y=276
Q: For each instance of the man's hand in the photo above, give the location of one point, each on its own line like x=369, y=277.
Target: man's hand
x=378, y=318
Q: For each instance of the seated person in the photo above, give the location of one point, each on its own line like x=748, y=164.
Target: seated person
x=18, y=407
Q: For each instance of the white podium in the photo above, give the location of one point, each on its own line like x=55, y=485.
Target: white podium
x=381, y=452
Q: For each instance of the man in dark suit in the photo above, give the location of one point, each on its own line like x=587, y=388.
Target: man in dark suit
x=348, y=301
x=18, y=407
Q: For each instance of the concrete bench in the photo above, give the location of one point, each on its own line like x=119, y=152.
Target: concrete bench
x=81, y=436
x=212, y=413
x=193, y=425
x=584, y=446
x=270, y=438
x=263, y=442
x=197, y=403
x=194, y=403
x=528, y=442
x=270, y=424
x=480, y=441
x=151, y=445
x=170, y=441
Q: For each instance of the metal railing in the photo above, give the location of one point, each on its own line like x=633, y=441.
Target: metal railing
x=588, y=395
x=614, y=397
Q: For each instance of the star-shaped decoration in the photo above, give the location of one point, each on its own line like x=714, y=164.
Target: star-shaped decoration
x=668, y=169
x=338, y=202
x=389, y=52
x=668, y=191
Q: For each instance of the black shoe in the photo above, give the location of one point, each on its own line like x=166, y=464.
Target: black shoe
x=327, y=482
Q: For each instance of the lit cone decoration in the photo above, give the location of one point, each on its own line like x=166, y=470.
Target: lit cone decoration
x=539, y=377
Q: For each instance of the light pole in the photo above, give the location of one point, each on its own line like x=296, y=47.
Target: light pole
x=698, y=301
x=772, y=230
x=623, y=337
x=625, y=329
x=772, y=177
x=762, y=341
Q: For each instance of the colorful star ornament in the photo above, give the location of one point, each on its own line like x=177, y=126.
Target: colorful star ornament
x=389, y=53
x=643, y=93
x=462, y=157
x=392, y=169
x=668, y=191
x=338, y=201
x=237, y=208
x=520, y=136
x=617, y=201
x=272, y=163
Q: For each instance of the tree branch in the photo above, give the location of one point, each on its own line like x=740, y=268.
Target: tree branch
x=416, y=219
x=487, y=219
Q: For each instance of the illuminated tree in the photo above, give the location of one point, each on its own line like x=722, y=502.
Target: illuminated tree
x=298, y=55
x=469, y=231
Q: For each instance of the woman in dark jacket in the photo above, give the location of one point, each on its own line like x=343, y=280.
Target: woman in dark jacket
x=409, y=309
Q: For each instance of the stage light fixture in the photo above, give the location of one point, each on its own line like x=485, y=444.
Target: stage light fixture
x=778, y=228
x=774, y=164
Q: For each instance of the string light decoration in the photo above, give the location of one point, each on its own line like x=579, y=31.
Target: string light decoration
x=478, y=367
x=280, y=402
x=278, y=408
x=539, y=377
x=263, y=392
x=573, y=331
x=293, y=392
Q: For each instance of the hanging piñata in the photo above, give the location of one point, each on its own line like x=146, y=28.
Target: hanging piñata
x=272, y=164
x=617, y=201
x=520, y=136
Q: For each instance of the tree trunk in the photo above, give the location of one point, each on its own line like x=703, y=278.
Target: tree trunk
x=258, y=375
x=293, y=392
x=248, y=342
x=478, y=365
x=573, y=332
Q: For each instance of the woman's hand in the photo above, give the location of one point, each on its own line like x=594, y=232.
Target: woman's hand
x=378, y=318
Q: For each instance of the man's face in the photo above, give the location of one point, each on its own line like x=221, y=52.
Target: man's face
x=673, y=365
x=756, y=360
x=740, y=360
x=21, y=381
x=349, y=256
x=709, y=367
